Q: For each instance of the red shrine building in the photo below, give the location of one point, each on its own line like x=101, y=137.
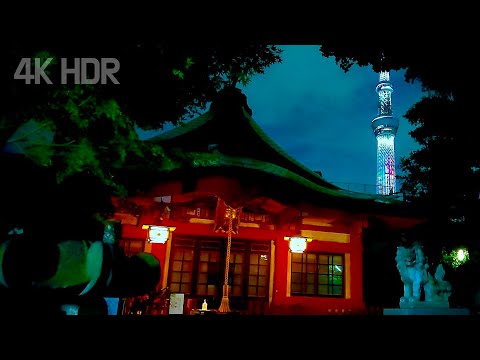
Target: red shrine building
x=294, y=243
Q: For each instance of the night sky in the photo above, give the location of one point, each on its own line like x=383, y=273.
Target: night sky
x=321, y=115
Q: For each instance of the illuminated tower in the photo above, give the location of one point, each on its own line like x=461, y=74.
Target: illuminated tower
x=385, y=127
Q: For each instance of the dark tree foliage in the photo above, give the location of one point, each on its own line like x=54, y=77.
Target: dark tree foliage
x=87, y=132
x=159, y=82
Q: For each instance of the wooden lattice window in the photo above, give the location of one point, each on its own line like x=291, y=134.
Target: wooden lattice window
x=317, y=274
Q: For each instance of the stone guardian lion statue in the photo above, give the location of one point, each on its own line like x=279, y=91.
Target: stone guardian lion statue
x=413, y=269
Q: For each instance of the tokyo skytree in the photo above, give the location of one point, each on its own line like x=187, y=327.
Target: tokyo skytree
x=385, y=127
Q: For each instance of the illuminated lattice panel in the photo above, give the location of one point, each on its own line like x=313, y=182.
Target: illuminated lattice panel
x=386, y=176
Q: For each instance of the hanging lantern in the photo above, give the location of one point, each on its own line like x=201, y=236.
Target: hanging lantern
x=298, y=244
x=158, y=234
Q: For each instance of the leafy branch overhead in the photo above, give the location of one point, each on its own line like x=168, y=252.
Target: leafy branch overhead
x=81, y=132
x=81, y=128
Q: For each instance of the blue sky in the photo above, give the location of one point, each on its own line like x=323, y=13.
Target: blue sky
x=321, y=115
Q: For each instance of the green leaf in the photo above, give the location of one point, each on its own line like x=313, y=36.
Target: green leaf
x=79, y=159
x=178, y=73
x=244, y=79
x=189, y=62
x=110, y=109
x=40, y=154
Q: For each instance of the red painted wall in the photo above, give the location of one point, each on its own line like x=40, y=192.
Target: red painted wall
x=281, y=303
x=319, y=305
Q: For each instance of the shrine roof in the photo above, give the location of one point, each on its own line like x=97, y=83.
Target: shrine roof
x=227, y=136
x=287, y=186
x=229, y=128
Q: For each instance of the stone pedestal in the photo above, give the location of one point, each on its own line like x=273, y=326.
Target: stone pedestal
x=417, y=307
x=439, y=311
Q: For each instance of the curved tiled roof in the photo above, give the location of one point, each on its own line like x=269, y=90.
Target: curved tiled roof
x=216, y=159
x=282, y=152
x=246, y=140
x=248, y=146
x=183, y=129
x=298, y=189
